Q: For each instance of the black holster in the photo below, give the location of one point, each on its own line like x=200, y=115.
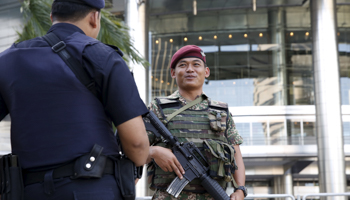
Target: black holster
x=11, y=181
x=125, y=170
x=127, y=173
x=91, y=165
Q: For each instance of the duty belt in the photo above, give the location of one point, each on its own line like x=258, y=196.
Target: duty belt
x=61, y=172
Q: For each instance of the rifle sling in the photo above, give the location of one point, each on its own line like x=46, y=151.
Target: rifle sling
x=58, y=46
x=192, y=103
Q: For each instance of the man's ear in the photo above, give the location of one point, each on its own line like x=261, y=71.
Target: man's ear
x=207, y=72
x=51, y=17
x=93, y=19
x=172, y=72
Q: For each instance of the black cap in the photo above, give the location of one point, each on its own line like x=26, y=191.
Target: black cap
x=99, y=4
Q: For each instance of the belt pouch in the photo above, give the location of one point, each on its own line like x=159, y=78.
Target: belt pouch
x=126, y=171
x=11, y=187
x=91, y=165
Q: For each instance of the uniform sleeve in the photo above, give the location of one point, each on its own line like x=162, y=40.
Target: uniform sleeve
x=232, y=134
x=120, y=95
x=3, y=109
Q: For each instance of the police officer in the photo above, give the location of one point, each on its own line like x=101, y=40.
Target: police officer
x=198, y=124
x=55, y=119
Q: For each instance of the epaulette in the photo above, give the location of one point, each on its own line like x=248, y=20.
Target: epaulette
x=166, y=102
x=218, y=104
x=116, y=49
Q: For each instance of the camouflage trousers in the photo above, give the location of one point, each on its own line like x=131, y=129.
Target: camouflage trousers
x=163, y=195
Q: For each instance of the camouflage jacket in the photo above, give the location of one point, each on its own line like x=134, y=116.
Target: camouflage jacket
x=232, y=136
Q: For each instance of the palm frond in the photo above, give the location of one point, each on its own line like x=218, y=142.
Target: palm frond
x=113, y=31
x=37, y=19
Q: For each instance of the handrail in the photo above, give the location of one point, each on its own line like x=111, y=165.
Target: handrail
x=143, y=198
x=252, y=196
x=326, y=194
x=249, y=196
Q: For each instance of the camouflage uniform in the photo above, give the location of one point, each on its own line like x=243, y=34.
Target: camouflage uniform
x=163, y=195
x=232, y=136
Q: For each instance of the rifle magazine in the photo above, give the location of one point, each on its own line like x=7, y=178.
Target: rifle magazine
x=176, y=186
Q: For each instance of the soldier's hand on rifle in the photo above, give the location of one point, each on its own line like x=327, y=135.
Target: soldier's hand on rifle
x=166, y=160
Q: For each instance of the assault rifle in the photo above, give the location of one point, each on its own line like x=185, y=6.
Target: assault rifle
x=190, y=157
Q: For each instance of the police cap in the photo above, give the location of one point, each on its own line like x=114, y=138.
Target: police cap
x=186, y=52
x=99, y=4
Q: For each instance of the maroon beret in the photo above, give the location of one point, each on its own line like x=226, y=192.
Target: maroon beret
x=186, y=52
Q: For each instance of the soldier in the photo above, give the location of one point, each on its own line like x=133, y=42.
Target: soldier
x=207, y=123
x=56, y=120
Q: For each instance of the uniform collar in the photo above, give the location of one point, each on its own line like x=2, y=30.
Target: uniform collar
x=64, y=29
x=177, y=95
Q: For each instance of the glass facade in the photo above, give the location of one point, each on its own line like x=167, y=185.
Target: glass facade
x=343, y=17
x=256, y=58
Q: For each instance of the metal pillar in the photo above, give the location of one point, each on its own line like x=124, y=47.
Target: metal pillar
x=327, y=98
x=278, y=186
x=284, y=184
x=277, y=26
x=288, y=182
x=135, y=17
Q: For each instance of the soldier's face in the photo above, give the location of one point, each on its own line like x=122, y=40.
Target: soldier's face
x=190, y=73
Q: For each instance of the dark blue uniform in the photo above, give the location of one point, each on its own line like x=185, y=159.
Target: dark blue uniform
x=54, y=117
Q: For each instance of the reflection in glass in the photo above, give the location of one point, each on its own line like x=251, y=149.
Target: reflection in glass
x=346, y=132
x=244, y=132
x=294, y=132
x=259, y=131
x=277, y=132
x=309, y=133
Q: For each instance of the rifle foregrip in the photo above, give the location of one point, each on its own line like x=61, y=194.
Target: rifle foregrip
x=213, y=188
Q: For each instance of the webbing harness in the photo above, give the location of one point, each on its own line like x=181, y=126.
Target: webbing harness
x=192, y=124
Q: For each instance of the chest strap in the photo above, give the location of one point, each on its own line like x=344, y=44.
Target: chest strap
x=58, y=46
x=192, y=103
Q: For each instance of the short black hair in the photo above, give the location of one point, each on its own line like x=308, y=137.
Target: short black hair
x=68, y=11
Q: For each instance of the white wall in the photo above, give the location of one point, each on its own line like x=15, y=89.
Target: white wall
x=11, y=21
